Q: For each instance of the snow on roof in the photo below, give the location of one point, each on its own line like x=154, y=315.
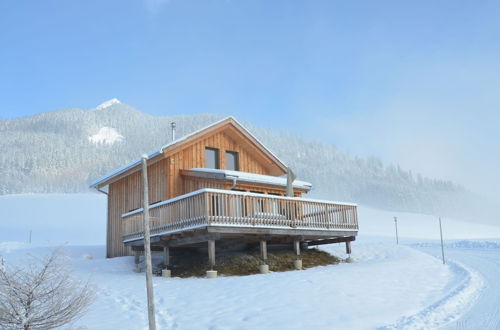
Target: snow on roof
x=121, y=170
x=155, y=153
x=247, y=177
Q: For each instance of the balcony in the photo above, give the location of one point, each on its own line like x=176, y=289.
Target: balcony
x=243, y=213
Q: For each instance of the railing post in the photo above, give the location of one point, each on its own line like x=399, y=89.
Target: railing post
x=205, y=207
x=206, y=196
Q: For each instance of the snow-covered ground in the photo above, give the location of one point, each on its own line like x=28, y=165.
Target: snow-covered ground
x=388, y=286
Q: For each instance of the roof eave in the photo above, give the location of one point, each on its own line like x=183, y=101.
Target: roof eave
x=101, y=182
x=223, y=175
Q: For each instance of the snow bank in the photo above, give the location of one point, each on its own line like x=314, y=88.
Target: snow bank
x=386, y=281
x=388, y=286
x=464, y=244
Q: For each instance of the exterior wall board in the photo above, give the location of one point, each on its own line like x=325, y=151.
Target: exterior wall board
x=126, y=195
x=166, y=181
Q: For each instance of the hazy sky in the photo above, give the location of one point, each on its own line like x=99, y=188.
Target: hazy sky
x=412, y=82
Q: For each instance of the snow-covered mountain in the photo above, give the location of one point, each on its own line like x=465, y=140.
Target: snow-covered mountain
x=62, y=151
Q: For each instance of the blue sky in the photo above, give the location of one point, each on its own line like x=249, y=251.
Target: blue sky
x=411, y=82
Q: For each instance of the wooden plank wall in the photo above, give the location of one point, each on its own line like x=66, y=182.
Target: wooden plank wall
x=165, y=180
x=126, y=195
x=193, y=156
x=193, y=184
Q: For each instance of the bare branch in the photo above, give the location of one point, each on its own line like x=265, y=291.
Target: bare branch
x=42, y=295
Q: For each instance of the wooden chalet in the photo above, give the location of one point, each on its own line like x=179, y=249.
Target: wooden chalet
x=218, y=185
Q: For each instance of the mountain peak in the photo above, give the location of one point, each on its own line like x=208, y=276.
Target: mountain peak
x=107, y=104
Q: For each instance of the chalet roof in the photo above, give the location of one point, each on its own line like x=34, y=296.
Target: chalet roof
x=245, y=177
x=176, y=143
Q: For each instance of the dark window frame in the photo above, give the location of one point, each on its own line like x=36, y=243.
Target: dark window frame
x=236, y=160
x=217, y=160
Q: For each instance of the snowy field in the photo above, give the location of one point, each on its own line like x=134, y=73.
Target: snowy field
x=389, y=286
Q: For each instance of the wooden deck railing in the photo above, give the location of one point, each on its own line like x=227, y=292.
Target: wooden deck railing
x=213, y=207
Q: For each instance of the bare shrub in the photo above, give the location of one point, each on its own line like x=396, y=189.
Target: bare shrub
x=42, y=294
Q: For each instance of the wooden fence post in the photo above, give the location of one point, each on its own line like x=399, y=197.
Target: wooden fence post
x=147, y=246
x=396, y=225
x=441, y=233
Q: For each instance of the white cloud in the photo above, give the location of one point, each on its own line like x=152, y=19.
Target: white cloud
x=155, y=6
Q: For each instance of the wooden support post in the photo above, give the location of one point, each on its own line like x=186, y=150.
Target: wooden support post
x=166, y=256
x=296, y=247
x=211, y=259
x=298, y=262
x=137, y=258
x=264, y=267
x=348, y=251
x=211, y=253
x=263, y=251
x=147, y=246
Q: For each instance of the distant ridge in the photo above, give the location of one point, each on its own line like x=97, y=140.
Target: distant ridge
x=63, y=151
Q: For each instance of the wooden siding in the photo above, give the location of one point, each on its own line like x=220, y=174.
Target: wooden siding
x=193, y=183
x=126, y=195
x=193, y=156
x=231, y=127
x=166, y=181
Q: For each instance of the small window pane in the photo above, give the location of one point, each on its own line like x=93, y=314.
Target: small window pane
x=232, y=160
x=211, y=158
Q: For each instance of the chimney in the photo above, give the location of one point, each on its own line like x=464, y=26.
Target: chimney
x=172, y=126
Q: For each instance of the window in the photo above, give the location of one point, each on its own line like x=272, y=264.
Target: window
x=232, y=161
x=211, y=158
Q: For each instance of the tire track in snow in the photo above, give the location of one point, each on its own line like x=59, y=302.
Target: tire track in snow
x=450, y=307
x=485, y=314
